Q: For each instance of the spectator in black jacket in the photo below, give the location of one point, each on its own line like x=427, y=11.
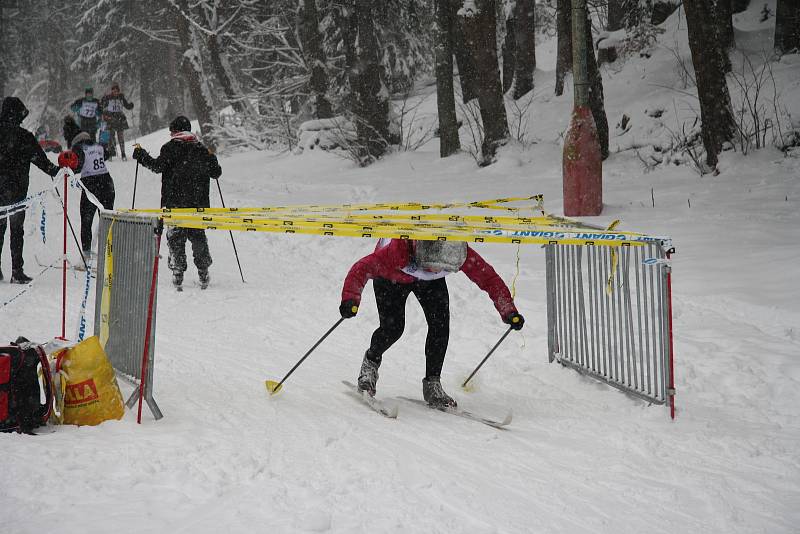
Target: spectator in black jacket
x=112, y=105
x=18, y=149
x=186, y=167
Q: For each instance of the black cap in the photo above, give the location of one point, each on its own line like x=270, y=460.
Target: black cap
x=180, y=124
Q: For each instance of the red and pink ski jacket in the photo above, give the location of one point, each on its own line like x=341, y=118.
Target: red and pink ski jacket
x=388, y=261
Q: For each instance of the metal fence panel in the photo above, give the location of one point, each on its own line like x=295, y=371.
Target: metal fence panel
x=608, y=317
x=134, y=252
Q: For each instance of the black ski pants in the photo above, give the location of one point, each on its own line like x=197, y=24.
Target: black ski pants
x=102, y=187
x=120, y=140
x=435, y=301
x=17, y=240
x=176, y=239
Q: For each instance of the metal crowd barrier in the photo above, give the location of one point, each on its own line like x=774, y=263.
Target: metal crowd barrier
x=610, y=318
x=134, y=251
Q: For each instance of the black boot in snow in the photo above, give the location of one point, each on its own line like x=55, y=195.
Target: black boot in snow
x=368, y=376
x=434, y=395
x=205, y=278
x=19, y=277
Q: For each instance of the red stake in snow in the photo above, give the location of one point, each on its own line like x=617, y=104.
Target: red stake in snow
x=582, y=163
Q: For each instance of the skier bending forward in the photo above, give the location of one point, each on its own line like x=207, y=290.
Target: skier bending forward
x=400, y=267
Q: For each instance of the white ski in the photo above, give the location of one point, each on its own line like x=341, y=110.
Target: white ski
x=386, y=409
x=496, y=423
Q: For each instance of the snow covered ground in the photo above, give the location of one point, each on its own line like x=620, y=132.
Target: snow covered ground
x=578, y=457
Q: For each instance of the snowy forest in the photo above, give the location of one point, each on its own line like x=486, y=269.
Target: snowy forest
x=253, y=72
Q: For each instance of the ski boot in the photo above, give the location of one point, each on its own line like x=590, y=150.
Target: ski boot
x=368, y=376
x=124, y=157
x=205, y=278
x=19, y=277
x=434, y=395
x=177, y=280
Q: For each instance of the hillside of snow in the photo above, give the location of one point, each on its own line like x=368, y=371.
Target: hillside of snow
x=578, y=456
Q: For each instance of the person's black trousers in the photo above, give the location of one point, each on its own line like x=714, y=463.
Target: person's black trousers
x=435, y=301
x=176, y=239
x=101, y=186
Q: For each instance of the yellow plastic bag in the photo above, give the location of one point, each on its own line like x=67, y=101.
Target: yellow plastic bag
x=91, y=393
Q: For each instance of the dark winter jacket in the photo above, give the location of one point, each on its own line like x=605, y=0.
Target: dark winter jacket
x=186, y=168
x=18, y=149
x=88, y=111
x=387, y=263
x=112, y=106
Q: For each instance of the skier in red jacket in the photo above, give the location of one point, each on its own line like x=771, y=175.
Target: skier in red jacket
x=401, y=267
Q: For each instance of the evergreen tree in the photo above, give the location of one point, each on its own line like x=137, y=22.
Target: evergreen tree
x=445, y=98
x=787, y=26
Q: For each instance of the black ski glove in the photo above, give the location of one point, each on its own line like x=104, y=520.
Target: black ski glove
x=348, y=309
x=515, y=320
x=139, y=153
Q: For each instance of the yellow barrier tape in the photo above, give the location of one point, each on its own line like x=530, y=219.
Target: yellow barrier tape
x=108, y=280
x=403, y=206
x=371, y=221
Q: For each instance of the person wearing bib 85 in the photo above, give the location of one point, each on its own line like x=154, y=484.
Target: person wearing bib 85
x=95, y=176
x=400, y=267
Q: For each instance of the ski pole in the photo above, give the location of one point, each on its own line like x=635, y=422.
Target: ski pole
x=464, y=385
x=273, y=387
x=135, y=179
x=235, y=252
x=69, y=221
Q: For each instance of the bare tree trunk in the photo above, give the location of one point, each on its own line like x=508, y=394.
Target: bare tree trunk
x=174, y=89
x=564, y=52
x=193, y=74
x=525, y=37
x=509, y=53
x=480, y=30
x=224, y=78
x=616, y=15
x=715, y=102
x=787, y=26
x=596, y=99
x=148, y=108
x=445, y=98
x=3, y=55
x=372, y=103
x=308, y=35
x=467, y=71
x=723, y=14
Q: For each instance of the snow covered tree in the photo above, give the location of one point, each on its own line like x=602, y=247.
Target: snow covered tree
x=525, y=46
x=445, y=98
x=787, y=26
x=708, y=59
x=371, y=97
x=192, y=69
x=479, y=21
x=616, y=15
x=310, y=39
x=564, y=44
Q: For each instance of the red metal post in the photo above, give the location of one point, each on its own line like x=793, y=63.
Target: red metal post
x=671, y=391
x=145, y=354
x=64, y=265
x=582, y=166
